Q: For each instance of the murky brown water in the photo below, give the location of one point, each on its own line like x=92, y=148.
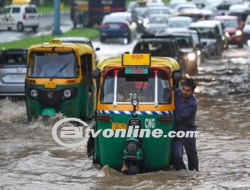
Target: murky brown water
x=31, y=159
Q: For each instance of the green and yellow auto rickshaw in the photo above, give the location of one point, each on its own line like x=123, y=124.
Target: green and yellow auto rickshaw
x=134, y=90
x=58, y=80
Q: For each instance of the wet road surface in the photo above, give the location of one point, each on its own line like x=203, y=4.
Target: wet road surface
x=31, y=159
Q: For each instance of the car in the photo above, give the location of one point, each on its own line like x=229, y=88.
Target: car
x=78, y=40
x=13, y=72
x=233, y=29
x=241, y=11
x=174, y=3
x=159, y=47
x=188, y=48
x=114, y=26
x=157, y=10
x=197, y=41
x=200, y=49
x=210, y=37
x=181, y=6
x=223, y=33
x=157, y=23
x=178, y=23
x=19, y=16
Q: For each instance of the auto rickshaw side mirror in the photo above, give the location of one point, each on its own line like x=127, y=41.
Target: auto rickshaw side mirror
x=97, y=49
x=177, y=76
x=95, y=74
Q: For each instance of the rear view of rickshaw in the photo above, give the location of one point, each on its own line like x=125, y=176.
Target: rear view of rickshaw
x=134, y=90
x=58, y=80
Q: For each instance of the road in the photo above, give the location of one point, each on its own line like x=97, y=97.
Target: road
x=45, y=27
x=31, y=159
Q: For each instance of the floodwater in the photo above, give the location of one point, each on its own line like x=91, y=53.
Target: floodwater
x=30, y=158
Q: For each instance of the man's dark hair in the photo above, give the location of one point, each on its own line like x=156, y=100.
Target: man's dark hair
x=190, y=83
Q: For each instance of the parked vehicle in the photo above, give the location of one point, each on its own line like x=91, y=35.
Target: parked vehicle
x=19, y=16
x=210, y=37
x=12, y=72
x=233, y=30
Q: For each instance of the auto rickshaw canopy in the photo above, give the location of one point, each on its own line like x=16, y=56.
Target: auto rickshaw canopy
x=138, y=60
x=79, y=49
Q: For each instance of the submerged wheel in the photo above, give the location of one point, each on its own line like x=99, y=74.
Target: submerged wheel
x=133, y=168
x=46, y=120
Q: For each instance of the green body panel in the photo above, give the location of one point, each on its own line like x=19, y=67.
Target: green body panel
x=75, y=107
x=157, y=150
x=48, y=112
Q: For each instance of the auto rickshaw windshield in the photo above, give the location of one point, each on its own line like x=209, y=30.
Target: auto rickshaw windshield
x=57, y=65
x=143, y=85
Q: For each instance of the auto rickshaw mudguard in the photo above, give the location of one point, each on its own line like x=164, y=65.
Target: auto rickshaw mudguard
x=48, y=112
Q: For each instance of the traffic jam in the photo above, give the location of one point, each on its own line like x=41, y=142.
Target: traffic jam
x=128, y=78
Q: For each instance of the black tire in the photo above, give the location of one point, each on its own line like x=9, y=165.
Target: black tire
x=133, y=168
x=34, y=28
x=20, y=26
x=46, y=121
x=103, y=39
x=240, y=46
x=75, y=25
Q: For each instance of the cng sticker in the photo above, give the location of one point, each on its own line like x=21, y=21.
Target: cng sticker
x=149, y=123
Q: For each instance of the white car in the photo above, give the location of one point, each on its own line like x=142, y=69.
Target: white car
x=178, y=23
x=19, y=17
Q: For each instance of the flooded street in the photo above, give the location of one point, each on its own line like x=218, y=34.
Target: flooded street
x=31, y=159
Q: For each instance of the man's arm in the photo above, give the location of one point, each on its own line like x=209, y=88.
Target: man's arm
x=185, y=114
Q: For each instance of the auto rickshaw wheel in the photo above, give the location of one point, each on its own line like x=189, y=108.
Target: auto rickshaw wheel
x=46, y=120
x=133, y=168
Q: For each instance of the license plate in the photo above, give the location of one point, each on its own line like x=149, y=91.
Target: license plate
x=114, y=26
x=131, y=70
x=17, y=76
x=50, y=85
x=119, y=126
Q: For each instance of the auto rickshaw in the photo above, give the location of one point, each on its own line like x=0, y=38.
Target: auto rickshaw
x=134, y=90
x=58, y=79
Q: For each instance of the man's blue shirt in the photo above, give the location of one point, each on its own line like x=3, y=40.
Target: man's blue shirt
x=184, y=112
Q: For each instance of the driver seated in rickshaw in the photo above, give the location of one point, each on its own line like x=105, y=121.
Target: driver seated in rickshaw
x=53, y=67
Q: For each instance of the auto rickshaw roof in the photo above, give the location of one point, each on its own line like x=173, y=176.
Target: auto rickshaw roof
x=81, y=48
x=172, y=64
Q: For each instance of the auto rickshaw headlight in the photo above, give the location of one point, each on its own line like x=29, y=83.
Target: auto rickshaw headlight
x=67, y=93
x=132, y=147
x=34, y=93
x=135, y=102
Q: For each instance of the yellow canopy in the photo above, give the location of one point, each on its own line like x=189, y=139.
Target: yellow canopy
x=172, y=64
x=14, y=2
